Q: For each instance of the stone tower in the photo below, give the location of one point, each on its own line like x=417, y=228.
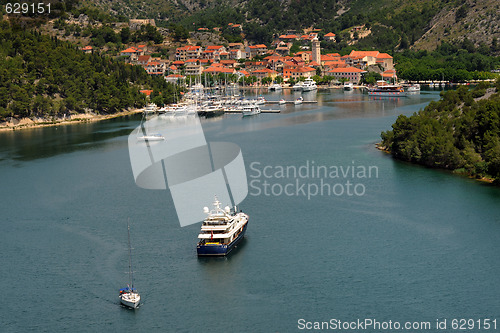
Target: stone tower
x=316, y=51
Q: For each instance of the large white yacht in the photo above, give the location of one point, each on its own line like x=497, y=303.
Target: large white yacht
x=221, y=231
x=309, y=84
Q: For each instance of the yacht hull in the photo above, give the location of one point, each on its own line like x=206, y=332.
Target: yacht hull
x=130, y=301
x=219, y=249
x=387, y=93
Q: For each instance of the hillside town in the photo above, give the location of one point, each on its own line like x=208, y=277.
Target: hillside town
x=274, y=63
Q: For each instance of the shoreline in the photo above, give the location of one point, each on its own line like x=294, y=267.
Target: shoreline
x=28, y=123
x=483, y=180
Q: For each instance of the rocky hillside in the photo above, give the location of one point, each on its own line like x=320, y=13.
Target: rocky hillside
x=478, y=21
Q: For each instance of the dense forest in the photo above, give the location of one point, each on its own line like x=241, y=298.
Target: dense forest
x=460, y=132
x=393, y=24
x=456, y=63
x=41, y=76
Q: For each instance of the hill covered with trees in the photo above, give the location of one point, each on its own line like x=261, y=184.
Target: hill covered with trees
x=392, y=25
x=41, y=76
x=461, y=132
x=456, y=62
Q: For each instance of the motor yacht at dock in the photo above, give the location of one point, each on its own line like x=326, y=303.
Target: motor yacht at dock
x=309, y=85
x=383, y=89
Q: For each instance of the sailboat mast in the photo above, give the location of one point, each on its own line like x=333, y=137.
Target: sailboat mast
x=130, y=272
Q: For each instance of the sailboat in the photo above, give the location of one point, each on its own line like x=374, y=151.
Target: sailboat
x=129, y=295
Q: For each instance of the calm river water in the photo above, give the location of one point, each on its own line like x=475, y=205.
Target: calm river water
x=390, y=242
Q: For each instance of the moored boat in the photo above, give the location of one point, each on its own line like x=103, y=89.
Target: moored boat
x=413, y=88
x=382, y=89
x=150, y=108
x=298, y=86
x=309, y=85
x=348, y=86
x=151, y=137
x=298, y=101
x=275, y=87
x=250, y=110
x=221, y=231
x=260, y=100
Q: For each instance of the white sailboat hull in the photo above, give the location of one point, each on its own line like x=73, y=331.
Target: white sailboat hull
x=131, y=300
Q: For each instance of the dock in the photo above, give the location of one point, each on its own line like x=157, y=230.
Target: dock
x=291, y=102
x=261, y=110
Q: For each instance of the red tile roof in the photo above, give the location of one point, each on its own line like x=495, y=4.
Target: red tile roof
x=146, y=92
x=143, y=58
x=188, y=48
x=347, y=70
x=259, y=46
x=303, y=70
x=219, y=69
x=383, y=56
x=264, y=71
x=129, y=50
x=363, y=54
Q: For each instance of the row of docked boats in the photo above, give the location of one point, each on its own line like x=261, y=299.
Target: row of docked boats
x=304, y=86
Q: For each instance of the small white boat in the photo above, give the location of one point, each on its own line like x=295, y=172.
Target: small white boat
x=275, y=87
x=298, y=86
x=298, y=101
x=129, y=295
x=151, y=107
x=282, y=102
x=260, y=100
x=348, y=86
x=151, y=137
x=250, y=110
x=413, y=88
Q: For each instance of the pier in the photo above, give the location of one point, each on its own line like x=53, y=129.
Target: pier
x=261, y=110
x=291, y=102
